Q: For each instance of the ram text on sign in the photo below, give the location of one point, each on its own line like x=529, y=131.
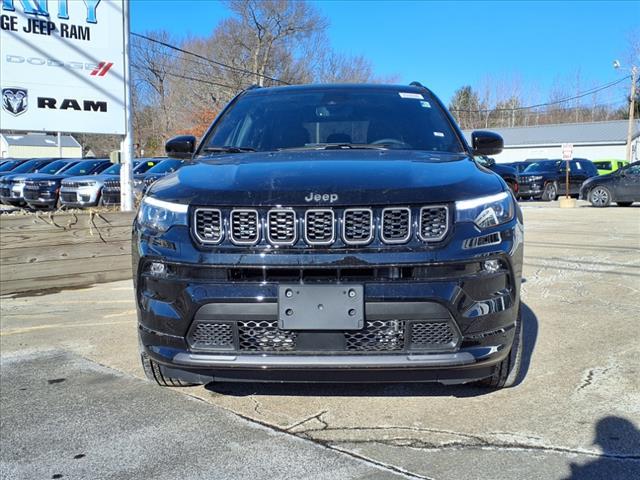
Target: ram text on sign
x=62, y=64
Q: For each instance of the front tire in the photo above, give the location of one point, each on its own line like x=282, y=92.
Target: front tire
x=550, y=192
x=600, y=196
x=507, y=371
x=154, y=372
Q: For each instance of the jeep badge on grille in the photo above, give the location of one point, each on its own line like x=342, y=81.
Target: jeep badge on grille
x=324, y=197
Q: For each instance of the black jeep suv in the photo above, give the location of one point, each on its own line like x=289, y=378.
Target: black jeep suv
x=546, y=179
x=330, y=233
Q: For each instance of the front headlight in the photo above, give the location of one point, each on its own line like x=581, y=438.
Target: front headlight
x=486, y=212
x=535, y=178
x=160, y=215
x=137, y=182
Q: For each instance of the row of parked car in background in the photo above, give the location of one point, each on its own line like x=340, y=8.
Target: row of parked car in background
x=51, y=183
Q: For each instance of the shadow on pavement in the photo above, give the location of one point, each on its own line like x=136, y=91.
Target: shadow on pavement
x=613, y=435
x=530, y=325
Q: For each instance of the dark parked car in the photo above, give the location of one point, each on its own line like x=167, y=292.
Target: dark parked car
x=111, y=190
x=330, y=233
x=43, y=190
x=86, y=191
x=12, y=182
x=622, y=187
x=508, y=173
x=546, y=179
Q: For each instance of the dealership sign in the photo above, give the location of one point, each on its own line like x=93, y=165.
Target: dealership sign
x=62, y=66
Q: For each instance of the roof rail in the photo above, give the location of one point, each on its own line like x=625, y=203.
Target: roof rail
x=416, y=84
x=254, y=86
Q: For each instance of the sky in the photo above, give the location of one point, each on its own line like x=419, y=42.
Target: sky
x=445, y=45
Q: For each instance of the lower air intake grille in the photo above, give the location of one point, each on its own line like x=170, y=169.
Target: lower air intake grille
x=396, y=225
x=432, y=335
x=264, y=336
x=433, y=223
x=377, y=336
x=213, y=335
x=208, y=225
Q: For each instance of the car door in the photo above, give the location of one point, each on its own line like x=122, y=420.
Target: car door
x=629, y=184
x=577, y=175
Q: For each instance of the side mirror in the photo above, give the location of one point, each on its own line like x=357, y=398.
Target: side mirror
x=486, y=143
x=181, y=147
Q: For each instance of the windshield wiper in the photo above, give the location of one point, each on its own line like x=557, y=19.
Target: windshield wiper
x=228, y=149
x=341, y=146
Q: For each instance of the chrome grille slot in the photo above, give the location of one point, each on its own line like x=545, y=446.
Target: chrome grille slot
x=319, y=226
x=245, y=227
x=281, y=227
x=357, y=226
x=208, y=225
x=396, y=225
x=434, y=222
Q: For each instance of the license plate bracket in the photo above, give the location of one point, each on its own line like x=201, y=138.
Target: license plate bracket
x=320, y=307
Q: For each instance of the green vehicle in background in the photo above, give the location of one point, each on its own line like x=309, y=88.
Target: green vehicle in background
x=609, y=165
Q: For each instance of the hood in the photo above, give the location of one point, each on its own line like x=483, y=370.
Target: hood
x=327, y=177
x=16, y=176
x=45, y=176
x=87, y=178
x=504, y=169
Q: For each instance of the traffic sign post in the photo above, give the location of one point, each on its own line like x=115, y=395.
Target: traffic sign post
x=567, y=156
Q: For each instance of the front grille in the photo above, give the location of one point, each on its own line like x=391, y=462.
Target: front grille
x=112, y=184
x=209, y=226
x=434, y=223
x=212, y=335
x=329, y=227
x=396, y=224
x=319, y=227
x=5, y=191
x=377, y=336
x=430, y=335
x=357, y=226
x=282, y=227
x=245, y=227
x=264, y=336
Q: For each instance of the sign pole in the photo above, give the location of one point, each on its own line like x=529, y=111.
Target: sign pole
x=59, y=145
x=126, y=173
x=567, y=156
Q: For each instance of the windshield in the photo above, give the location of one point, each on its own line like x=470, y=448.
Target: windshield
x=166, y=166
x=28, y=167
x=54, y=167
x=276, y=120
x=542, y=166
x=5, y=167
x=84, y=168
x=145, y=165
x=113, y=169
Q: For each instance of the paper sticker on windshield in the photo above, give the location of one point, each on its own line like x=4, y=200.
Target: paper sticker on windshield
x=415, y=96
x=425, y=104
x=438, y=134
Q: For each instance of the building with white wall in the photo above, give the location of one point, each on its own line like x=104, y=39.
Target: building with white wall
x=38, y=145
x=593, y=141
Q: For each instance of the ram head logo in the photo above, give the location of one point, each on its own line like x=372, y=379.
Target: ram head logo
x=14, y=100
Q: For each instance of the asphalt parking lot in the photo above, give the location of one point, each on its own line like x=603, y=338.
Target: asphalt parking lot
x=74, y=405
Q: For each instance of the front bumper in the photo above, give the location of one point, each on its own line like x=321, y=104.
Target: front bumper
x=480, y=305
x=79, y=197
x=12, y=194
x=534, y=189
x=41, y=197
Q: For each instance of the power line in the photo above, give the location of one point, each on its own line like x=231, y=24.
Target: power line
x=186, y=77
x=202, y=57
x=547, y=104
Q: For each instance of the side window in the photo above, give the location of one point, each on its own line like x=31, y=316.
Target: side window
x=635, y=170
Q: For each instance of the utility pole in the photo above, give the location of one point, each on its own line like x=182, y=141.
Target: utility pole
x=126, y=147
x=632, y=107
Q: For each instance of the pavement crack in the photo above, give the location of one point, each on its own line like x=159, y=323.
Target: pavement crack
x=317, y=416
x=591, y=375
